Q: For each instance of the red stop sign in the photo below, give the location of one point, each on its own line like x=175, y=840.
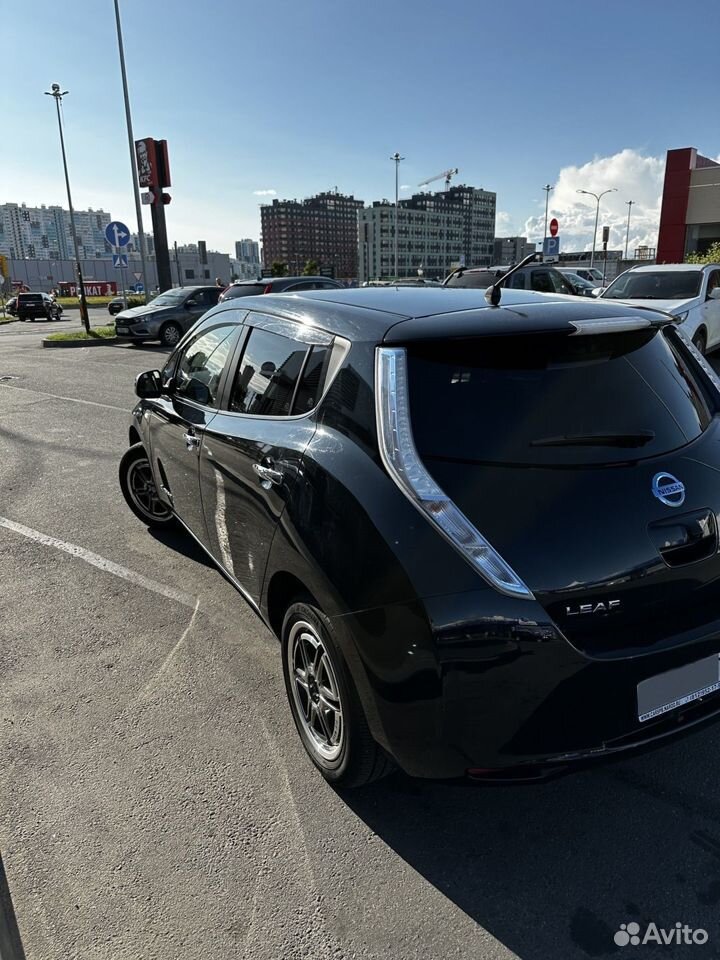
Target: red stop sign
x=554, y=226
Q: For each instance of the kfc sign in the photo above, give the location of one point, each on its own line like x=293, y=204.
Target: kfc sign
x=152, y=163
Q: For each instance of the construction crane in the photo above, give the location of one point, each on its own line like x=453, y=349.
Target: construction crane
x=447, y=174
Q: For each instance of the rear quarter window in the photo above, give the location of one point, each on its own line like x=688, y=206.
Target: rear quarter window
x=553, y=400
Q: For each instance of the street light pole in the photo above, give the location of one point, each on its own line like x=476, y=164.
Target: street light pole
x=627, y=235
x=598, y=198
x=547, y=188
x=84, y=318
x=131, y=144
x=396, y=158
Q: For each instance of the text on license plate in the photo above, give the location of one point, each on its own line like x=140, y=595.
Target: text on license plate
x=667, y=691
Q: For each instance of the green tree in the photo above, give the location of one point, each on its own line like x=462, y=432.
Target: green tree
x=311, y=268
x=711, y=255
x=278, y=269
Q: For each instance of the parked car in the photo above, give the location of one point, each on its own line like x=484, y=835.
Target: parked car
x=403, y=484
x=690, y=292
x=37, y=306
x=583, y=287
x=254, y=288
x=591, y=274
x=167, y=317
x=535, y=276
x=116, y=305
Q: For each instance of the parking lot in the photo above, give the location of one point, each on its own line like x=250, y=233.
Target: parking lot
x=157, y=803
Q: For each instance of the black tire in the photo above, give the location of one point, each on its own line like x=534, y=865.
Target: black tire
x=135, y=472
x=170, y=334
x=353, y=759
x=700, y=341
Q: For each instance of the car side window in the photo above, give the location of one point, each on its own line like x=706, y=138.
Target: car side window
x=713, y=282
x=201, y=365
x=204, y=298
x=267, y=374
x=541, y=282
x=313, y=379
x=517, y=281
x=560, y=282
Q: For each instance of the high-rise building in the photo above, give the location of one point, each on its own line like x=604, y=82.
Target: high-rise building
x=37, y=233
x=435, y=232
x=322, y=228
x=246, y=265
x=510, y=250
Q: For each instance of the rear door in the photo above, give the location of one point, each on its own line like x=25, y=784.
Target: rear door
x=178, y=420
x=252, y=455
x=591, y=463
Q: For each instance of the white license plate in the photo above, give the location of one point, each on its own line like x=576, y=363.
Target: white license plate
x=658, y=695
x=121, y=329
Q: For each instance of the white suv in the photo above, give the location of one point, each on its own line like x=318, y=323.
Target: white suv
x=689, y=291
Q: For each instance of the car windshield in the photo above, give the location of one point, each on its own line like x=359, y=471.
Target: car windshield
x=170, y=298
x=655, y=285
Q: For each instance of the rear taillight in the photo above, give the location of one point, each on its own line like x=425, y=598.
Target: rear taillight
x=268, y=288
x=404, y=465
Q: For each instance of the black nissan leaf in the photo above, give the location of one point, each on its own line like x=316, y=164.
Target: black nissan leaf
x=485, y=536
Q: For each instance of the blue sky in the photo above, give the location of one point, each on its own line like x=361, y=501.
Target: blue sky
x=298, y=97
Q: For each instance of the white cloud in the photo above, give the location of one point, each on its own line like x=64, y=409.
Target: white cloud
x=636, y=177
x=265, y=193
x=405, y=186
x=504, y=224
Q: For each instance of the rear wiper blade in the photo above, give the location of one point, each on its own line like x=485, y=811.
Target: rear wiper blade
x=638, y=439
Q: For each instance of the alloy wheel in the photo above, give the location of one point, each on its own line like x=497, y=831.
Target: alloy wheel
x=315, y=691
x=141, y=487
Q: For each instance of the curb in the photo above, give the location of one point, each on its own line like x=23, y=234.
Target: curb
x=99, y=342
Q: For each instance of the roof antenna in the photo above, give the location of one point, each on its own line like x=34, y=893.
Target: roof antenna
x=492, y=294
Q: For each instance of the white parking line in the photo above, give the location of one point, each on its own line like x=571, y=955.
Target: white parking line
x=54, y=396
x=101, y=563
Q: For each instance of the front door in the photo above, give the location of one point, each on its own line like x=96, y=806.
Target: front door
x=178, y=421
x=253, y=450
x=199, y=303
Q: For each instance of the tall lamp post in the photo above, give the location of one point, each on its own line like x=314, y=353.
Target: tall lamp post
x=131, y=144
x=396, y=158
x=547, y=188
x=598, y=198
x=84, y=318
x=627, y=235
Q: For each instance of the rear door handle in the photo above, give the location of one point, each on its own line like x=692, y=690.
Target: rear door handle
x=268, y=475
x=191, y=440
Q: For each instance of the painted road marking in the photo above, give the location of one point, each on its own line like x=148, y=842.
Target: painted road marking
x=101, y=563
x=54, y=396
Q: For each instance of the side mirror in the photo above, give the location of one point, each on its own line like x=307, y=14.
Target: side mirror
x=190, y=304
x=596, y=291
x=714, y=294
x=148, y=385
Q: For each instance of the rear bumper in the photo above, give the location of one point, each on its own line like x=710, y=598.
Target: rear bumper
x=450, y=687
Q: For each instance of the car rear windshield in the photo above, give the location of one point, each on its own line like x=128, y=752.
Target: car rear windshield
x=243, y=290
x=551, y=400
x=655, y=285
x=474, y=278
x=30, y=298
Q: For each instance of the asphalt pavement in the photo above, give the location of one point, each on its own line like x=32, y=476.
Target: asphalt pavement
x=156, y=802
